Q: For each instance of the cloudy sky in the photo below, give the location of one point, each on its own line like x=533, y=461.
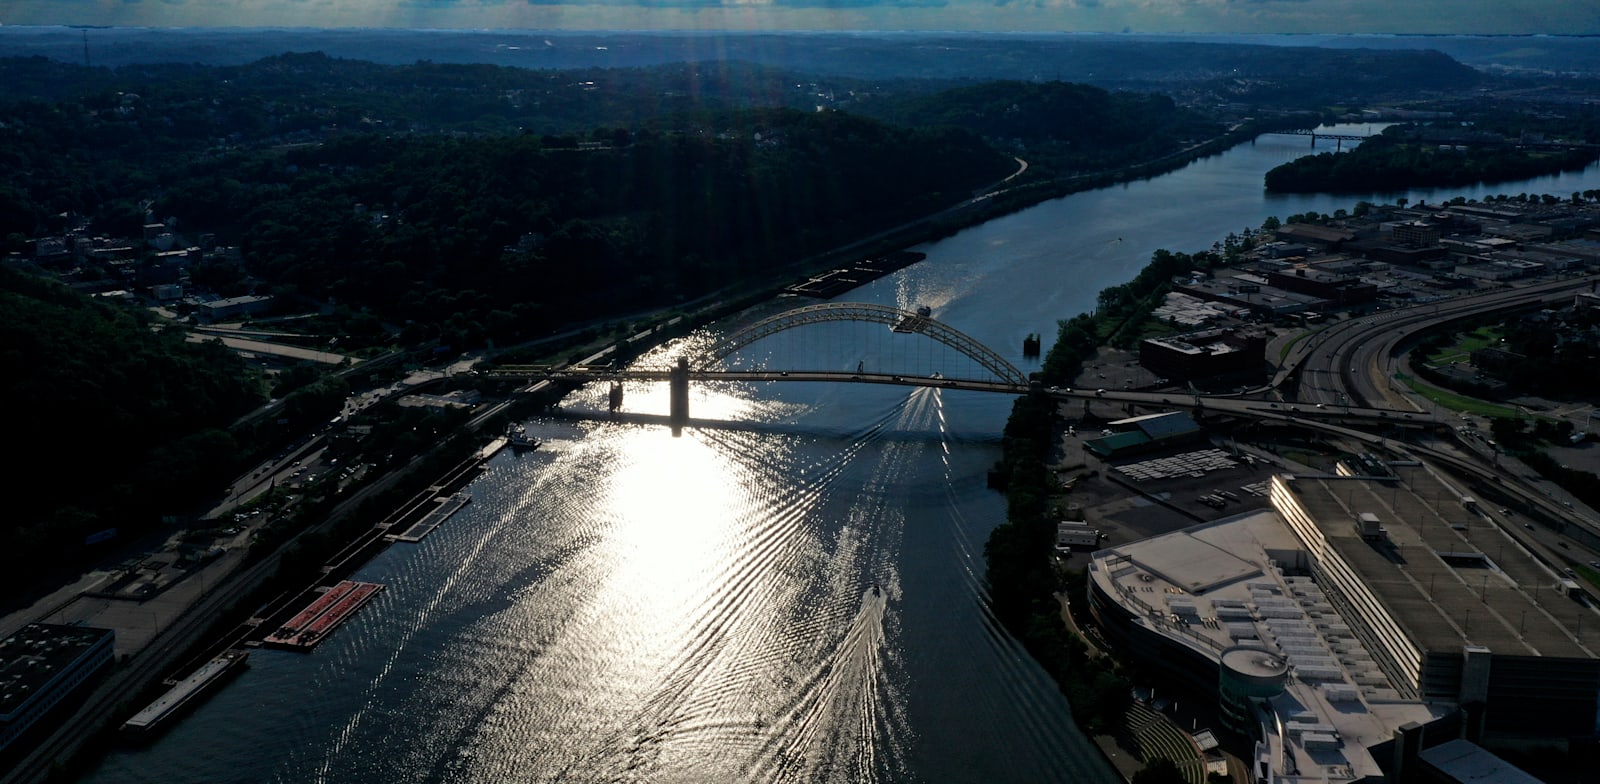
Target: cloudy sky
x=1282, y=16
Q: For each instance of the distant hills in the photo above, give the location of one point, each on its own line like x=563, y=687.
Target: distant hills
x=1104, y=60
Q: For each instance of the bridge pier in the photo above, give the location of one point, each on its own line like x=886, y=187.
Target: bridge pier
x=678, y=383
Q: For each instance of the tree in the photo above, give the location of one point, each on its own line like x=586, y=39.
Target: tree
x=1160, y=771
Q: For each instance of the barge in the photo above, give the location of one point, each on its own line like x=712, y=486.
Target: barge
x=447, y=506
x=837, y=281
x=313, y=624
x=186, y=693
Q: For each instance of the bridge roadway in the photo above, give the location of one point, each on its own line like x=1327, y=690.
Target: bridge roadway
x=1343, y=137
x=602, y=374
x=1350, y=422
x=1221, y=405
x=1350, y=137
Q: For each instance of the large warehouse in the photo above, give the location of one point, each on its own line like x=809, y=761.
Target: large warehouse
x=1451, y=605
x=1357, y=608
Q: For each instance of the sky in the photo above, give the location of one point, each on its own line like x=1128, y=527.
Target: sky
x=1565, y=17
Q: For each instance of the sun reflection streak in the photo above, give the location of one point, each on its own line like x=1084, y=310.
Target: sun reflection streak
x=674, y=507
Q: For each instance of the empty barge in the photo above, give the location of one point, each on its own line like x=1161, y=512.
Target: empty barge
x=186, y=693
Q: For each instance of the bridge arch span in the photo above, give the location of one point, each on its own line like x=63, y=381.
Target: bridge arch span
x=900, y=320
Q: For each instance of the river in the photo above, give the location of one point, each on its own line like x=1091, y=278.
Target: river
x=790, y=591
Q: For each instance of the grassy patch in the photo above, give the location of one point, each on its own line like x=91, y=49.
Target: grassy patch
x=1459, y=402
x=1588, y=573
x=1466, y=343
x=1156, y=328
x=1288, y=347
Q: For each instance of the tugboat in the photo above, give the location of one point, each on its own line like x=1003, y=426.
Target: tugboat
x=517, y=436
x=908, y=324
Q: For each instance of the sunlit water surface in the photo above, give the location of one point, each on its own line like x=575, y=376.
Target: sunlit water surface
x=791, y=591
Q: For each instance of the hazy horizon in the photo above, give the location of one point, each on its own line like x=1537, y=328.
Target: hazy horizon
x=1182, y=17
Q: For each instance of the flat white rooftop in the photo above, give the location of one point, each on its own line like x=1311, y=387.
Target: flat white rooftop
x=1240, y=581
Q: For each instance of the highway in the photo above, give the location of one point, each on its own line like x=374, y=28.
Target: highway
x=1349, y=361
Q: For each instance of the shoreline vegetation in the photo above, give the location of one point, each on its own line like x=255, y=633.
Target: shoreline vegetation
x=1023, y=582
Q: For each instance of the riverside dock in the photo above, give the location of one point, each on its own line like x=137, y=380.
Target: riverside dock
x=447, y=506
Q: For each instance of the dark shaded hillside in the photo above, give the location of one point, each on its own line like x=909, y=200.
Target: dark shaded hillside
x=1196, y=72
x=1066, y=125
x=110, y=424
x=285, y=93
x=527, y=232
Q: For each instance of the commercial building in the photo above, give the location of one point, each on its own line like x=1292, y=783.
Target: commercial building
x=1360, y=614
x=43, y=664
x=1451, y=605
x=233, y=307
x=1323, y=236
x=1204, y=353
x=1070, y=534
x=1415, y=234
x=1253, y=294
x=1228, y=607
x=1335, y=287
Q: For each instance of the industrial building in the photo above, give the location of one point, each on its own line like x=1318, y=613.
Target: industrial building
x=43, y=664
x=1451, y=605
x=1204, y=353
x=1144, y=433
x=1359, y=625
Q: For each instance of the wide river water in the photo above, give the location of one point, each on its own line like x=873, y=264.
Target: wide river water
x=790, y=591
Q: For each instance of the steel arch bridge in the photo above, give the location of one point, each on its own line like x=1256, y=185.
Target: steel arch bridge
x=899, y=320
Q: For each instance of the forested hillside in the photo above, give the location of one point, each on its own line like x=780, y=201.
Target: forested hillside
x=110, y=424
x=510, y=236
x=1065, y=126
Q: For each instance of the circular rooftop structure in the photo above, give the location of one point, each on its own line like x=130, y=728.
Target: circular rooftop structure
x=1251, y=671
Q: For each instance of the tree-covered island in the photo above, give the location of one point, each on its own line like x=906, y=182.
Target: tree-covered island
x=1408, y=157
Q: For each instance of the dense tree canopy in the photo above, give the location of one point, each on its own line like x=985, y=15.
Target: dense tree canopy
x=422, y=229
x=1389, y=164
x=113, y=423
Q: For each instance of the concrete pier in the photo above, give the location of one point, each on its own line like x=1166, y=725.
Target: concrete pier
x=678, y=382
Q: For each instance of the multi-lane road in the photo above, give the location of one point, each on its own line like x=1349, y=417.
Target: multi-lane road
x=1350, y=361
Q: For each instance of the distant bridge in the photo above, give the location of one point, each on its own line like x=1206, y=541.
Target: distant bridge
x=1340, y=138
x=1536, y=145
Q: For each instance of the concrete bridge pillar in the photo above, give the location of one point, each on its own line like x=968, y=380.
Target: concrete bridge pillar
x=678, y=383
